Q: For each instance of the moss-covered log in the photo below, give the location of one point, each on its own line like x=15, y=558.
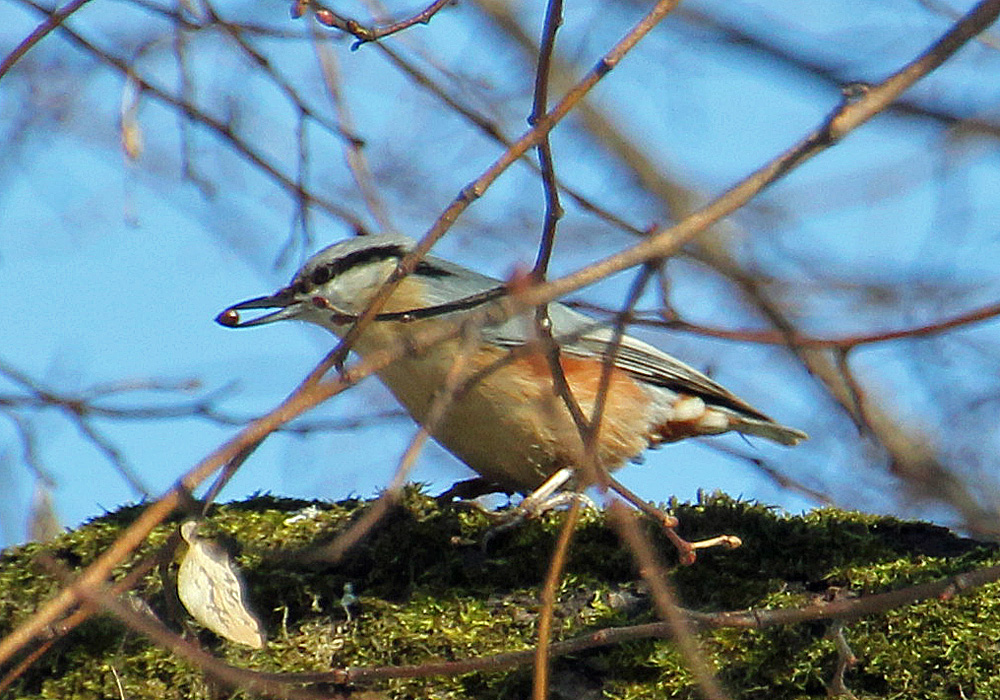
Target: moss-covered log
x=429, y=592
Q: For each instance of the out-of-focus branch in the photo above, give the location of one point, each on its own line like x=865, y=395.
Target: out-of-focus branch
x=83, y=407
x=807, y=67
x=353, y=148
x=475, y=189
x=988, y=312
x=910, y=462
x=365, y=34
x=661, y=243
x=665, y=601
x=220, y=128
x=55, y=18
x=843, y=608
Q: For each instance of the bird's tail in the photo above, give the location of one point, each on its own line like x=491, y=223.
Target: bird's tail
x=766, y=428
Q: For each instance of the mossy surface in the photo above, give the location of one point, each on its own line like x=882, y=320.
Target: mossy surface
x=428, y=592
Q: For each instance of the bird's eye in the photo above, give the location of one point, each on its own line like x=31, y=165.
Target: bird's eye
x=321, y=275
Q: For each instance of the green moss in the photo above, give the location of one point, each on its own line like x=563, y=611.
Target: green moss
x=430, y=593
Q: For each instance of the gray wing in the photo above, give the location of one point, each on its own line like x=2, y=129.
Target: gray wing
x=584, y=336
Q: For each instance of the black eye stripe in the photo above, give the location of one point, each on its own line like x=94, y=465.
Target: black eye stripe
x=324, y=273
x=321, y=275
x=360, y=257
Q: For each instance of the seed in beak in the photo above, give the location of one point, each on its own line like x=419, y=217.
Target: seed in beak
x=229, y=318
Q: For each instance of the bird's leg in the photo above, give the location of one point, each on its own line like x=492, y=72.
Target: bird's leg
x=547, y=497
x=535, y=502
x=544, y=498
x=687, y=551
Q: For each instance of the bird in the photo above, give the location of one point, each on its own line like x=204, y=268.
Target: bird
x=511, y=426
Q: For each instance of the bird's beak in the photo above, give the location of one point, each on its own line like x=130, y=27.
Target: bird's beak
x=288, y=307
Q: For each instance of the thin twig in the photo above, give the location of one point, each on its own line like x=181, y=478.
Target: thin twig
x=549, y=593
x=220, y=128
x=989, y=312
x=29, y=449
x=539, y=106
x=475, y=189
x=494, y=132
x=54, y=19
x=450, y=391
x=663, y=244
x=232, y=676
x=635, y=291
x=354, y=155
x=665, y=600
x=553, y=213
x=757, y=619
x=365, y=34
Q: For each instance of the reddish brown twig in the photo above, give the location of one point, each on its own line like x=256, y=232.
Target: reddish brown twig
x=988, y=312
x=549, y=590
x=665, y=601
x=475, y=189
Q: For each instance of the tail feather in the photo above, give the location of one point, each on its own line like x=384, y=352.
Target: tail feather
x=767, y=429
x=691, y=417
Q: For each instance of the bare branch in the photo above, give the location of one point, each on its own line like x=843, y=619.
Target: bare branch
x=365, y=34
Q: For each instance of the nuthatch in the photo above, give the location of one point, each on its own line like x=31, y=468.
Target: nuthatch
x=511, y=426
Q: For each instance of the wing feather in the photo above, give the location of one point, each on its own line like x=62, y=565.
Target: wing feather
x=582, y=336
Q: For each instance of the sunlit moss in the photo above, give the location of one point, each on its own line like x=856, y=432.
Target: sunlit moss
x=429, y=592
